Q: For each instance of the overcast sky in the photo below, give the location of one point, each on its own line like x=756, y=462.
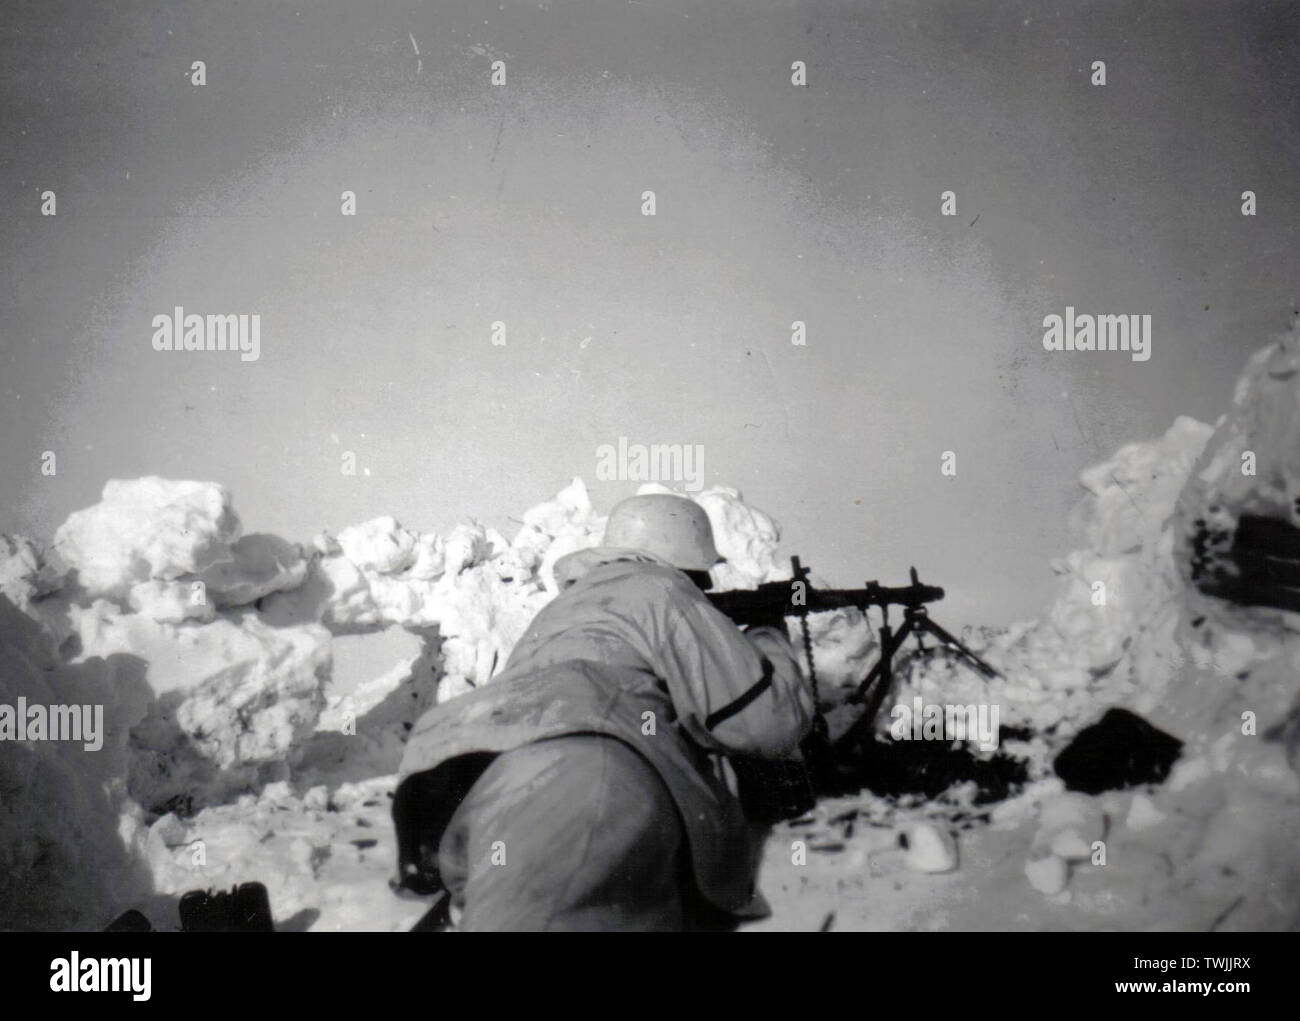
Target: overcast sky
x=522, y=203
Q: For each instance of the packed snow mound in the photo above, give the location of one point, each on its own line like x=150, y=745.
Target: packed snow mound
x=173, y=550
x=1241, y=658
x=1252, y=467
x=149, y=528
x=67, y=827
x=1128, y=626
x=382, y=546
x=553, y=529
x=254, y=566
x=1121, y=585
x=746, y=537
x=25, y=575
x=1134, y=627
x=233, y=699
x=29, y=573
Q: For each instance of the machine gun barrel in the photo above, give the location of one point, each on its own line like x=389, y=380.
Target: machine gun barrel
x=775, y=599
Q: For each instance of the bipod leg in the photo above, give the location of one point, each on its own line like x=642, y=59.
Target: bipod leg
x=882, y=674
x=890, y=641
x=948, y=639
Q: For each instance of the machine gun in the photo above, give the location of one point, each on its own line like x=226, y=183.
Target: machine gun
x=772, y=602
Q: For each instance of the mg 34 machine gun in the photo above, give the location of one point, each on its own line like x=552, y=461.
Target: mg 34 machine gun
x=769, y=604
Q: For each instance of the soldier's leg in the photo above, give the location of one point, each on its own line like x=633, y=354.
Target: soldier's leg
x=575, y=832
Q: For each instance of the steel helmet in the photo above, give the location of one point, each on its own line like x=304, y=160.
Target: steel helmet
x=673, y=528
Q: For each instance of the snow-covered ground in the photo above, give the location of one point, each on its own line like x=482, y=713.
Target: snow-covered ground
x=229, y=754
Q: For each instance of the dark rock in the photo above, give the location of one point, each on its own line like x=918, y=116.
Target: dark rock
x=1120, y=750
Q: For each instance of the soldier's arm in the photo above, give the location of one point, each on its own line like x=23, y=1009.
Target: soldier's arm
x=734, y=693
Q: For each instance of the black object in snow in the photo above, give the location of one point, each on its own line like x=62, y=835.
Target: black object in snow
x=246, y=908
x=1120, y=750
x=130, y=921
